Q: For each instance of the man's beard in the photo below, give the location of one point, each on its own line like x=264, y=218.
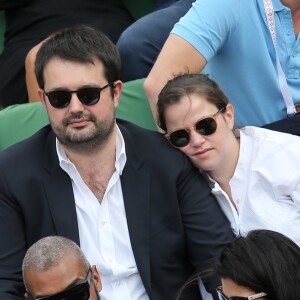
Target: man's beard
x=85, y=142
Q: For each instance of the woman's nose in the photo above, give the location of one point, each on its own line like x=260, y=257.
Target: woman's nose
x=196, y=139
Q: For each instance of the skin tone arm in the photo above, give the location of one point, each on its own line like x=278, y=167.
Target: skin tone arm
x=177, y=56
x=31, y=82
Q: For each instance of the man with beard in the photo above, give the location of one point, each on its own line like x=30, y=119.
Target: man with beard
x=136, y=206
x=56, y=268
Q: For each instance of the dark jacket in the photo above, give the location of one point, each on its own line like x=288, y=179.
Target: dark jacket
x=175, y=224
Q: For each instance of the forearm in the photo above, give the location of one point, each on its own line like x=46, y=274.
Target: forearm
x=177, y=56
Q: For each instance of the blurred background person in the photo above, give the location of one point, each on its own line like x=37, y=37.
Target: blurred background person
x=232, y=41
x=28, y=22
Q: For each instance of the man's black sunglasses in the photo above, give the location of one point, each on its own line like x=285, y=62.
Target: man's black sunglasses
x=252, y=297
x=86, y=95
x=79, y=291
x=205, y=126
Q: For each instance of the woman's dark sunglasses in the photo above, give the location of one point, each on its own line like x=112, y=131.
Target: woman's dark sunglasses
x=205, y=126
x=79, y=291
x=253, y=297
x=87, y=96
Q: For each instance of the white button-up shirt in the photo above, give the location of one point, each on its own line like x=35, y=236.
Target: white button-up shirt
x=103, y=230
x=266, y=184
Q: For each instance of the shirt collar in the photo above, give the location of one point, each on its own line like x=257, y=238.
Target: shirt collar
x=120, y=153
x=278, y=6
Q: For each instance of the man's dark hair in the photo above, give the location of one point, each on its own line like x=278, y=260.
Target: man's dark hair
x=81, y=44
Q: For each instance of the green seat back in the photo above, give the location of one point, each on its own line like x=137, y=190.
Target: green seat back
x=134, y=105
x=20, y=121
x=139, y=8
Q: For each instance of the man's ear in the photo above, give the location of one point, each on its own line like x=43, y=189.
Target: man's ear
x=96, y=279
x=118, y=86
x=26, y=296
x=42, y=96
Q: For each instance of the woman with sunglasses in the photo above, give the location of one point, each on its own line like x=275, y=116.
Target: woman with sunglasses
x=263, y=265
x=253, y=172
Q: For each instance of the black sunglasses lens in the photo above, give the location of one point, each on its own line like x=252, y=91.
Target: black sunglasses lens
x=206, y=126
x=77, y=292
x=179, y=138
x=89, y=96
x=59, y=99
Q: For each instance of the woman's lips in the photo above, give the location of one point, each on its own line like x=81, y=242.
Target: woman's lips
x=203, y=152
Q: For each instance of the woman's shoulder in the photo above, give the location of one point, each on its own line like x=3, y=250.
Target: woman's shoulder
x=265, y=134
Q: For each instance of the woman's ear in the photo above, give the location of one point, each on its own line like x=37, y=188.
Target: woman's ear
x=96, y=279
x=228, y=116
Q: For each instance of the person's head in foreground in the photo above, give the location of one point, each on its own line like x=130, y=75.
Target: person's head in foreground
x=78, y=71
x=55, y=268
x=198, y=120
x=263, y=265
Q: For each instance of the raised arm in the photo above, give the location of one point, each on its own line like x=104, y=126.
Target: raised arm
x=31, y=82
x=177, y=56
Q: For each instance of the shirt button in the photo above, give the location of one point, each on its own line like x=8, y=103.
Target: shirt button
x=118, y=283
x=288, y=32
x=103, y=223
x=237, y=201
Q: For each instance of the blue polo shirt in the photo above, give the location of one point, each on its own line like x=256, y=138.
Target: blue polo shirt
x=234, y=38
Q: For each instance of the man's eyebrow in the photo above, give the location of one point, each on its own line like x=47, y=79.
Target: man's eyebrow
x=73, y=283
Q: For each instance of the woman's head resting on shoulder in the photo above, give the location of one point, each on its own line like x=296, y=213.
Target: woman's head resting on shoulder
x=197, y=119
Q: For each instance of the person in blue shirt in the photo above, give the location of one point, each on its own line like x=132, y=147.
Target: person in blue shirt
x=231, y=40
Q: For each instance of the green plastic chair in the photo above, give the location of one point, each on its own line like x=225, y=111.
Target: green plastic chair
x=139, y=8
x=20, y=121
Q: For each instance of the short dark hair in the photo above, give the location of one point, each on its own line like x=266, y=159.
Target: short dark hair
x=264, y=261
x=185, y=85
x=79, y=43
